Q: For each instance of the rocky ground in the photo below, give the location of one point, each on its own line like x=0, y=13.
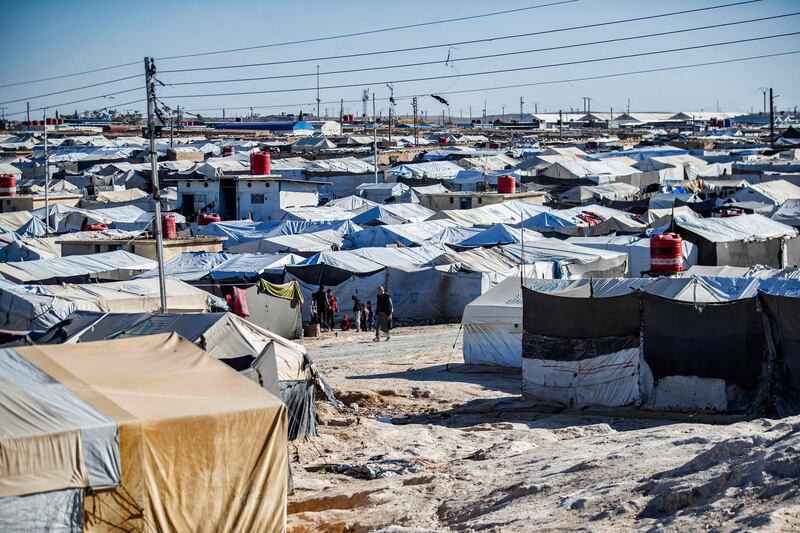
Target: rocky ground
x=428, y=444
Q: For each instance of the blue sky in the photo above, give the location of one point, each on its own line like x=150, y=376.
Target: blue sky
x=43, y=38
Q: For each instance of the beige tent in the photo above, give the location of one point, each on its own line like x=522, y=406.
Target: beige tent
x=201, y=448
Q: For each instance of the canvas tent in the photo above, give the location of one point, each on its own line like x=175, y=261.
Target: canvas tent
x=26, y=308
x=279, y=365
x=118, y=265
x=741, y=241
x=147, y=387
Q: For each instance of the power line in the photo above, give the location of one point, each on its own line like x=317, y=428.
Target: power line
x=473, y=41
x=497, y=71
x=370, y=32
x=101, y=69
x=538, y=83
x=71, y=90
x=486, y=56
x=53, y=106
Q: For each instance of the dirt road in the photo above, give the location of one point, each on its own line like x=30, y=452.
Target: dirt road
x=430, y=445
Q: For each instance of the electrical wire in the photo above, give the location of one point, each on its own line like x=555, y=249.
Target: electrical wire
x=533, y=84
x=486, y=56
x=370, y=32
x=71, y=90
x=496, y=71
x=54, y=106
x=473, y=41
x=62, y=76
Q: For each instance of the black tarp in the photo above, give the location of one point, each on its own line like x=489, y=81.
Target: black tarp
x=739, y=253
x=783, y=315
x=580, y=318
x=709, y=340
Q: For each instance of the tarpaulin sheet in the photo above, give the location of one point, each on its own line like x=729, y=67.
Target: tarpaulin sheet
x=580, y=318
x=58, y=510
x=406, y=234
x=118, y=264
x=609, y=380
x=401, y=213
x=783, y=313
x=499, y=234
x=178, y=474
x=289, y=291
x=712, y=340
x=305, y=243
x=30, y=307
x=240, y=232
x=251, y=266
x=190, y=266
x=51, y=438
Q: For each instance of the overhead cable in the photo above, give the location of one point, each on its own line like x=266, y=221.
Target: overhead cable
x=459, y=43
x=486, y=72
x=532, y=84
x=370, y=32
x=485, y=56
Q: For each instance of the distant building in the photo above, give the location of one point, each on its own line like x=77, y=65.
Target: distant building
x=470, y=200
x=245, y=196
x=291, y=127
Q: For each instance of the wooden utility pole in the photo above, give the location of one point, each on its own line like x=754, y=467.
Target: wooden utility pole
x=149, y=71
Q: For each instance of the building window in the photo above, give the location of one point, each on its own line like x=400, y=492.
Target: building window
x=249, y=185
x=480, y=200
x=256, y=198
x=451, y=200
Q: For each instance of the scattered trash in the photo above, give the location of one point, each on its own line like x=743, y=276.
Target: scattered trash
x=377, y=470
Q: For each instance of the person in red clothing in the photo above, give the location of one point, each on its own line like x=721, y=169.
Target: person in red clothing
x=333, y=308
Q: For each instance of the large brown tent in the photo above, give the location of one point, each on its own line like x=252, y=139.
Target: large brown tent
x=200, y=447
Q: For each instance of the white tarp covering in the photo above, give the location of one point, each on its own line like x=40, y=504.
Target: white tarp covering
x=610, y=380
x=740, y=228
x=118, y=265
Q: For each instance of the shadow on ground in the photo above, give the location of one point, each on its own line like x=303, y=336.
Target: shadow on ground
x=508, y=381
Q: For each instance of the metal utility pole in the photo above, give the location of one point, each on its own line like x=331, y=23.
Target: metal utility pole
x=318, y=100
x=171, y=128
x=375, y=144
x=470, y=114
x=28, y=111
x=484, y=111
x=764, y=94
x=364, y=100
x=46, y=177
x=560, y=124
x=628, y=108
x=536, y=108
x=521, y=103
x=771, y=119
x=341, y=110
x=416, y=134
x=503, y=109
x=149, y=71
x=4, y=112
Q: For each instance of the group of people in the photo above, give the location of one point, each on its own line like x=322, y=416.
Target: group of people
x=365, y=317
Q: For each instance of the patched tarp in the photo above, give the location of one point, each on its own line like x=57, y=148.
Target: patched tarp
x=580, y=350
x=51, y=438
x=289, y=291
x=709, y=340
x=177, y=473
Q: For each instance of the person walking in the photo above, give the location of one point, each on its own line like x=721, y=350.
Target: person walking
x=321, y=300
x=383, y=307
x=358, y=307
x=369, y=317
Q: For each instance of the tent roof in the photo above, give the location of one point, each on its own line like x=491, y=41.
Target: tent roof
x=740, y=228
x=74, y=266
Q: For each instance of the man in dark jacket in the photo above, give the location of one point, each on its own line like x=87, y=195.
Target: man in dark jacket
x=384, y=310
x=321, y=300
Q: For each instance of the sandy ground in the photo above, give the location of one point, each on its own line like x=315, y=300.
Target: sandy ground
x=453, y=448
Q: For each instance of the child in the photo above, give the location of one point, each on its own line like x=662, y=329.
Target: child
x=370, y=317
x=345, y=323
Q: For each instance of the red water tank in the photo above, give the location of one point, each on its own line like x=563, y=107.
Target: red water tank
x=442, y=140
x=98, y=226
x=238, y=119
x=260, y=164
x=228, y=151
x=506, y=184
x=8, y=185
x=207, y=218
x=169, y=227
x=666, y=253
x=731, y=212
